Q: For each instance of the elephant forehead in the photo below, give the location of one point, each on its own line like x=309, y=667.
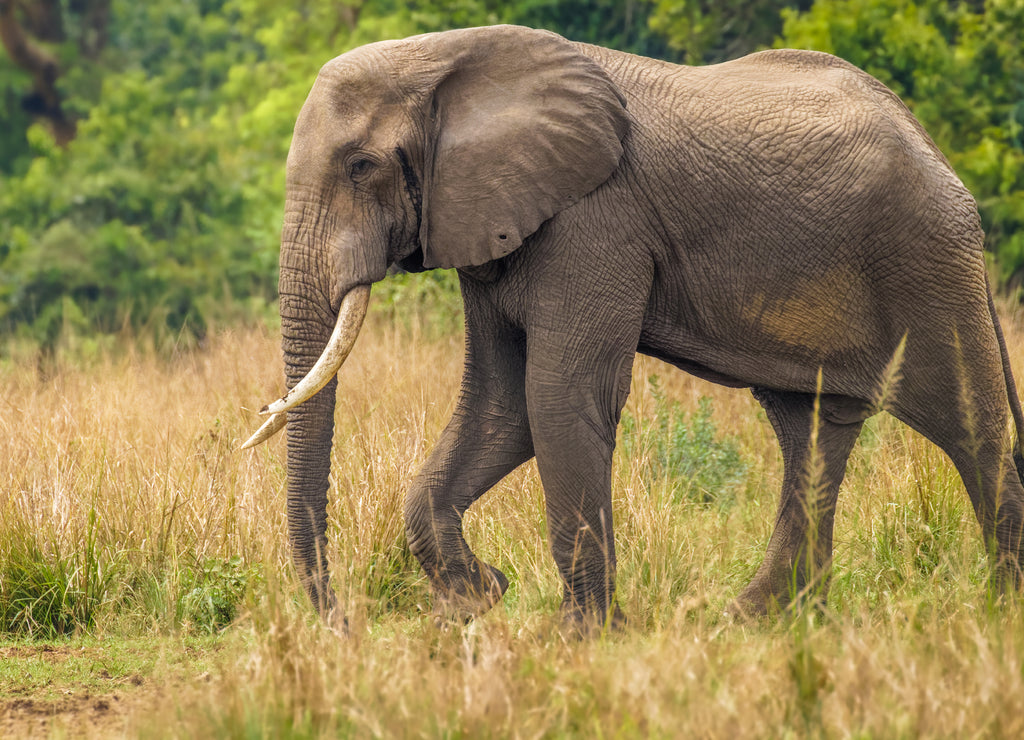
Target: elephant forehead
x=347, y=94
x=373, y=70
x=346, y=109
x=345, y=114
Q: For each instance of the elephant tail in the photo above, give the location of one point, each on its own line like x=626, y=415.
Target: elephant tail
x=1011, y=391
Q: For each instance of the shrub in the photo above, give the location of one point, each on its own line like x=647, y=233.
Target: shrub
x=684, y=452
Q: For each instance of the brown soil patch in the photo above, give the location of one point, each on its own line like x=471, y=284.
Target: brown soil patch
x=74, y=710
x=77, y=716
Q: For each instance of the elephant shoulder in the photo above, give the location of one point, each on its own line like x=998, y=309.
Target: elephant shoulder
x=800, y=69
x=797, y=60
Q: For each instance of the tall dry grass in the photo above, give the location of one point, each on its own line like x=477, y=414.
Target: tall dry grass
x=123, y=493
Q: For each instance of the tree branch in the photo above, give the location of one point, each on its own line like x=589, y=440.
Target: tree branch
x=42, y=66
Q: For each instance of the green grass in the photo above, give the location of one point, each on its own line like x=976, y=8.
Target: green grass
x=144, y=568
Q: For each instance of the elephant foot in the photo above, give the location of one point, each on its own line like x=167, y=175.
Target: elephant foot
x=757, y=602
x=770, y=597
x=337, y=622
x=588, y=623
x=464, y=599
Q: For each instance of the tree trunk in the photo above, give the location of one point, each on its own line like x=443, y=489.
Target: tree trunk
x=23, y=25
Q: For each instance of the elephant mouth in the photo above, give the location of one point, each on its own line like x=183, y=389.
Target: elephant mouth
x=346, y=330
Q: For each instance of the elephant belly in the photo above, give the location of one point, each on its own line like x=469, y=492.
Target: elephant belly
x=775, y=332
x=692, y=367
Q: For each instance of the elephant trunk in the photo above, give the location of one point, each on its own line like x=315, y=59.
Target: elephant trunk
x=310, y=431
x=313, y=353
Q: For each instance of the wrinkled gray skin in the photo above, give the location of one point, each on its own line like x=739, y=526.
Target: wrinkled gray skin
x=752, y=223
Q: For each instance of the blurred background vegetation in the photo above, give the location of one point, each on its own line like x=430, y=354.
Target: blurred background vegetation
x=142, y=145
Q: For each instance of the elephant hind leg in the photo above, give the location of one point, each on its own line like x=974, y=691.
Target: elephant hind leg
x=964, y=410
x=816, y=440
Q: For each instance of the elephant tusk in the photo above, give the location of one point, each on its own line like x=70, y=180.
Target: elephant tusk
x=270, y=427
x=346, y=329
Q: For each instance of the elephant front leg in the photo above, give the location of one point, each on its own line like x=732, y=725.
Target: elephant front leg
x=487, y=437
x=475, y=452
x=573, y=419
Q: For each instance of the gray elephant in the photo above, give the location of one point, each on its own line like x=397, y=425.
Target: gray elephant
x=780, y=222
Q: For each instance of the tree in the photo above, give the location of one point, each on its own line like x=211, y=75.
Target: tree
x=28, y=29
x=703, y=31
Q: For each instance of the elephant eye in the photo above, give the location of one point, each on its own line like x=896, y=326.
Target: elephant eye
x=360, y=168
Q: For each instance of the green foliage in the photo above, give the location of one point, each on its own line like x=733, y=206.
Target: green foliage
x=685, y=453
x=153, y=216
x=162, y=216
x=428, y=300
x=15, y=154
x=215, y=590
x=620, y=24
x=703, y=31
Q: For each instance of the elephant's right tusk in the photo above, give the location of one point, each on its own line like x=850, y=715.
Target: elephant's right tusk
x=270, y=427
x=346, y=330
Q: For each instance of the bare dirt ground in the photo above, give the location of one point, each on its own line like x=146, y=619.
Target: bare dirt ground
x=99, y=705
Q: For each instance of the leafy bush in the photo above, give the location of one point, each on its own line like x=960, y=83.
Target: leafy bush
x=707, y=31
x=214, y=591
x=684, y=452
x=152, y=210
x=429, y=300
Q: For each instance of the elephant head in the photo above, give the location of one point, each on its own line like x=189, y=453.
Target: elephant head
x=442, y=150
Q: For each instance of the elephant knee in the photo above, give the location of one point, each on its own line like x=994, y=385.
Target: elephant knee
x=420, y=530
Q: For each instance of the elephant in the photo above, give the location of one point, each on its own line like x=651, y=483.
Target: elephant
x=780, y=222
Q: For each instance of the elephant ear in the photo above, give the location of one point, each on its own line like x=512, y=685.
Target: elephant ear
x=524, y=125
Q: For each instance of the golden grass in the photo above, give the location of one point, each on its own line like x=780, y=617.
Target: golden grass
x=124, y=471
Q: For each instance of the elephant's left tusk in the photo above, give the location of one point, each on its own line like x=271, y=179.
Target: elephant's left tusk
x=346, y=330
x=270, y=427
